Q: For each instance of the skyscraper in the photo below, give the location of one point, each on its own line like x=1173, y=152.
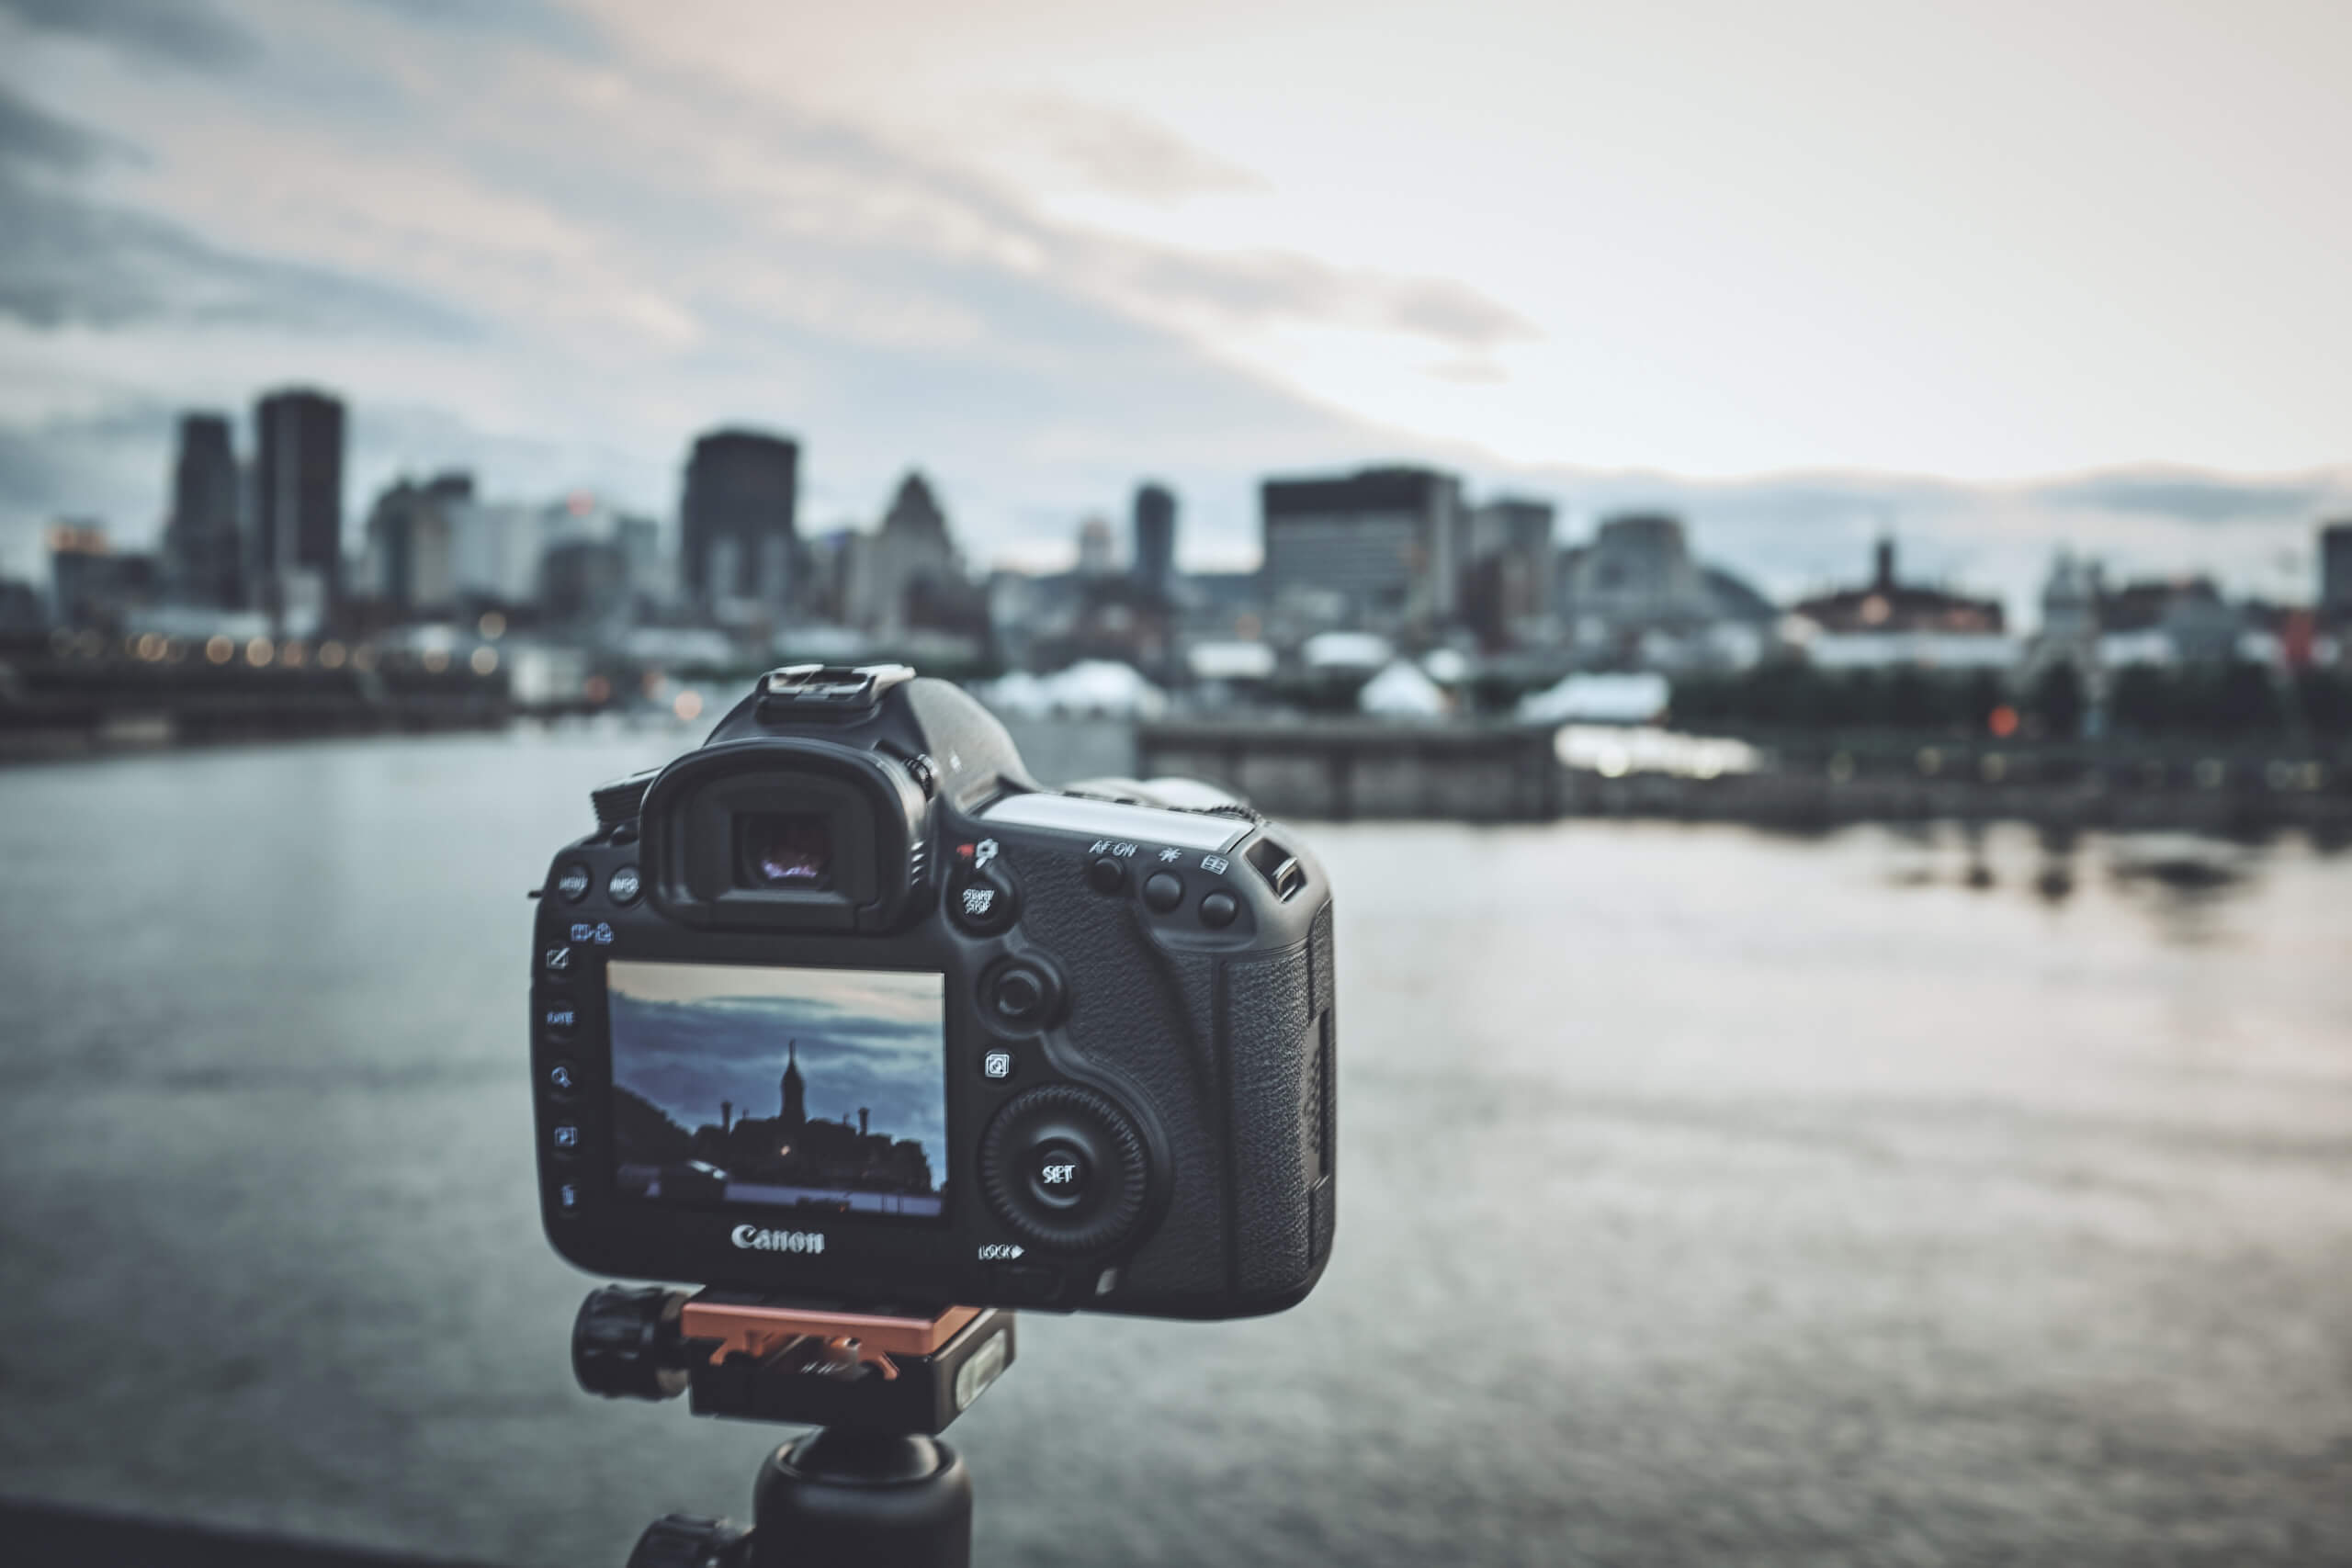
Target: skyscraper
x=297, y=505
x=203, y=547
x=739, y=519
x=1506, y=565
x=1154, y=537
x=414, y=541
x=907, y=571
x=1379, y=547
x=2335, y=570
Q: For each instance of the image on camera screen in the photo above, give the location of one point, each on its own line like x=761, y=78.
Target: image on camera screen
x=779, y=1088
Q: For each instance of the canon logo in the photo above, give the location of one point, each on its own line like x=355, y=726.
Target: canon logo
x=751, y=1239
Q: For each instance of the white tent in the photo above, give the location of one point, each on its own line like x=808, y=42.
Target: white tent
x=1402, y=691
x=1095, y=688
x=1345, y=651
x=1446, y=666
x=1602, y=699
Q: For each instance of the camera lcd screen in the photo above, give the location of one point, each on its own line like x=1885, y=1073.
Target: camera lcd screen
x=820, y=1091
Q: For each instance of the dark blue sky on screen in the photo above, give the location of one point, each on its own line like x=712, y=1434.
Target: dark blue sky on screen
x=687, y=1037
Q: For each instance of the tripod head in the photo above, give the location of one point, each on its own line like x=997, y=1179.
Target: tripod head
x=872, y=1487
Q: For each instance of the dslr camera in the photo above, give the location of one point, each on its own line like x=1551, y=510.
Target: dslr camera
x=843, y=1008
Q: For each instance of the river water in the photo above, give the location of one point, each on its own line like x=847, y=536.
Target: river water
x=1707, y=1197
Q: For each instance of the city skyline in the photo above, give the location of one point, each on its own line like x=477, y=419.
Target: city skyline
x=1796, y=534
x=566, y=240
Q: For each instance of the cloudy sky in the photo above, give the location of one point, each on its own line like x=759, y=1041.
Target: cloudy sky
x=1749, y=261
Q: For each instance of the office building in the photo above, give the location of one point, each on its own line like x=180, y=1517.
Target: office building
x=2336, y=572
x=298, y=507
x=22, y=616
x=1636, y=598
x=204, y=556
x=584, y=581
x=907, y=577
x=413, y=542
x=740, y=524
x=1154, y=537
x=92, y=586
x=1505, y=570
x=1378, y=549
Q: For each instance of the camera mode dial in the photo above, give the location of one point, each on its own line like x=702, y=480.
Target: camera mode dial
x=1064, y=1168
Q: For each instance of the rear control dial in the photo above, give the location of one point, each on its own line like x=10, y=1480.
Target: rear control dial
x=1063, y=1167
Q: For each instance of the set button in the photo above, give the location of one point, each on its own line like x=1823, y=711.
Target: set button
x=1060, y=1175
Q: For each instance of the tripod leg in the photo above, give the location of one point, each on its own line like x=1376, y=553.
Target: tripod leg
x=842, y=1498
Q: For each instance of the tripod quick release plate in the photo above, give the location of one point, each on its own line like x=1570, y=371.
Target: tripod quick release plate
x=755, y=1360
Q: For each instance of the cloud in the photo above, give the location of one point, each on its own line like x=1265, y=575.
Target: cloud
x=1469, y=372
x=536, y=20
x=1120, y=153
x=72, y=261
x=186, y=32
x=31, y=135
x=2192, y=497
x=1265, y=288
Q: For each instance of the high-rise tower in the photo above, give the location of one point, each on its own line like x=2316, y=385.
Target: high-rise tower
x=1155, y=536
x=203, y=548
x=739, y=519
x=297, y=504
